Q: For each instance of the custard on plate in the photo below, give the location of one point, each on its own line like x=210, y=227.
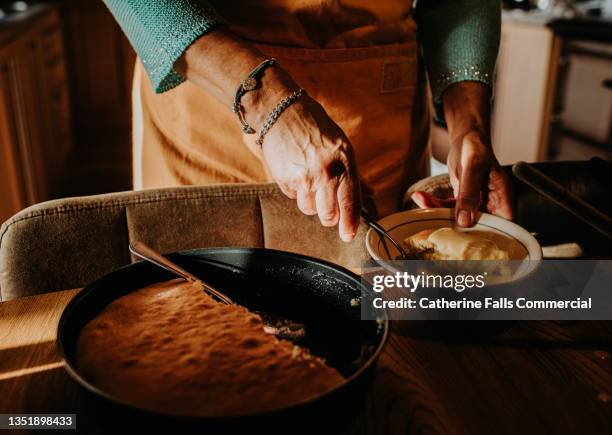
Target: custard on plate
x=450, y=244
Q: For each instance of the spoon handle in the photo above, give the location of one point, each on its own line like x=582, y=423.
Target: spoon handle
x=147, y=253
x=143, y=251
x=382, y=232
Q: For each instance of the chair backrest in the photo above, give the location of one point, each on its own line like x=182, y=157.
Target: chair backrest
x=67, y=243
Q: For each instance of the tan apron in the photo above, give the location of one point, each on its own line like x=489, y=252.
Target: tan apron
x=376, y=94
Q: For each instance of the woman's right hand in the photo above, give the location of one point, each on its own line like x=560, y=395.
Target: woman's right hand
x=309, y=156
x=312, y=161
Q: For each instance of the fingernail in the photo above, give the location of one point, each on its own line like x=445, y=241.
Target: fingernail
x=329, y=220
x=347, y=237
x=474, y=218
x=463, y=218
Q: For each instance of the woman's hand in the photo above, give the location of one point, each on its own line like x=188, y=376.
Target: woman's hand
x=307, y=153
x=477, y=179
x=312, y=161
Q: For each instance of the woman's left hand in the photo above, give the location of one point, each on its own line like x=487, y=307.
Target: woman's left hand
x=478, y=180
x=476, y=176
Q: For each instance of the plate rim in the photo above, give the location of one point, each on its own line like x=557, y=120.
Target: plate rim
x=448, y=214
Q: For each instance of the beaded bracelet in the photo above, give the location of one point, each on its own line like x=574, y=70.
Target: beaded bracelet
x=276, y=113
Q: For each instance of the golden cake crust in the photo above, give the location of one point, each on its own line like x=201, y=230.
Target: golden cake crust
x=170, y=347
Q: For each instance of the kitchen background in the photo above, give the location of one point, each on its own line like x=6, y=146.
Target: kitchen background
x=65, y=88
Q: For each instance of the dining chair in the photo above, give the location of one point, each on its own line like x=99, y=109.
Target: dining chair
x=68, y=243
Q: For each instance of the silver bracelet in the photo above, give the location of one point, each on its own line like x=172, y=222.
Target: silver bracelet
x=276, y=113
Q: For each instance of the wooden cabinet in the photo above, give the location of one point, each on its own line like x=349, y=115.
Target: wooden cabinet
x=12, y=192
x=35, y=116
x=101, y=62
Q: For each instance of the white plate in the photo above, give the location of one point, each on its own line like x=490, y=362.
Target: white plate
x=406, y=223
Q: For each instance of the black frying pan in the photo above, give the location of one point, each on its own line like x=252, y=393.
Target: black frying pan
x=300, y=288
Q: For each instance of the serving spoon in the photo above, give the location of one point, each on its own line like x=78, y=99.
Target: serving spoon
x=273, y=324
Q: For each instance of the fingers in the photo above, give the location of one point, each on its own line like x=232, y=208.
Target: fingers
x=422, y=199
x=454, y=182
x=349, y=205
x=500, y=199
x=327, y=205
x=306, y=202
x=289, y=193
x=427, y=200
x=471, y=182
x=336, y=203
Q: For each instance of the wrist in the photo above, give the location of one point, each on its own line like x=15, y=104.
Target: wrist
x=467, y=111
x=274, y=85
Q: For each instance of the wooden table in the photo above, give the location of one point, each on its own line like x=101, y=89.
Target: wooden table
x=517, y=378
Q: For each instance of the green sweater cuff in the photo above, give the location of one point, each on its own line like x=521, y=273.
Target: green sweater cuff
x=161, y=31
x=460, y=40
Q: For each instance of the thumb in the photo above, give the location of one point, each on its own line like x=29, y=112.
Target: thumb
x=471, y=181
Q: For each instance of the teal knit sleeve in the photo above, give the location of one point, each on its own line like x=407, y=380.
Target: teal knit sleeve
x=460, y=40
x=161, y=30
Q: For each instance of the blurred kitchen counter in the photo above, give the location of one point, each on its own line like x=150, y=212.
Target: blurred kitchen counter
x=586, y=28
x=577, y=50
